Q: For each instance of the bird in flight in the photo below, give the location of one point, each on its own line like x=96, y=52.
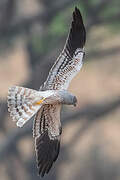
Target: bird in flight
x=45, y=104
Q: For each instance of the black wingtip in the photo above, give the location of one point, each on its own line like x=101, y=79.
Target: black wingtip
x=47, y=152
x=76, y=9
x=77, y=35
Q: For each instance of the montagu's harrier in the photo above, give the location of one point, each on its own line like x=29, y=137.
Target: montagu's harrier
x=23, y=103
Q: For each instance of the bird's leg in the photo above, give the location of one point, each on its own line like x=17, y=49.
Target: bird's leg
x=40, y=101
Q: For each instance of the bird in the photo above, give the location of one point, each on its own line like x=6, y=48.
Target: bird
x=45, y=104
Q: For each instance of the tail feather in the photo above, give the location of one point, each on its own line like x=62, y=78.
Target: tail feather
x=21, y=104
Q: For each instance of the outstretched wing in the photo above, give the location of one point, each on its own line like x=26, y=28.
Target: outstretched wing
x=47, y=131
x=69, y=62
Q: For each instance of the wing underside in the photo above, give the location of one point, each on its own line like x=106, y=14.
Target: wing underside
x=46, y=131
x=69, y=62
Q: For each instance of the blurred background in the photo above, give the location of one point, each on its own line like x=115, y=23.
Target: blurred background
x=32, y=34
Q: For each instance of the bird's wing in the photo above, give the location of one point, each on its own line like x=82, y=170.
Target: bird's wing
x=47, y=131
x=69, y=62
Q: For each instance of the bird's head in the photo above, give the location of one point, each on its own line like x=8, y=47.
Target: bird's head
x=68, y=98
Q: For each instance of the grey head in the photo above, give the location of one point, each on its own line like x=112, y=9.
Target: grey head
x=67, y=98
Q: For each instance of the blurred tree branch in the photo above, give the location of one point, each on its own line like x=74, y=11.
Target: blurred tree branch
x=6, y=14
x=45, y=17
x=102, y=53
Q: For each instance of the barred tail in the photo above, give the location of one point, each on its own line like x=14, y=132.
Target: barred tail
x=21, y=104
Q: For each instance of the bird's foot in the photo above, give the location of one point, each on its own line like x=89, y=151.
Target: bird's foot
x=40, y=101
